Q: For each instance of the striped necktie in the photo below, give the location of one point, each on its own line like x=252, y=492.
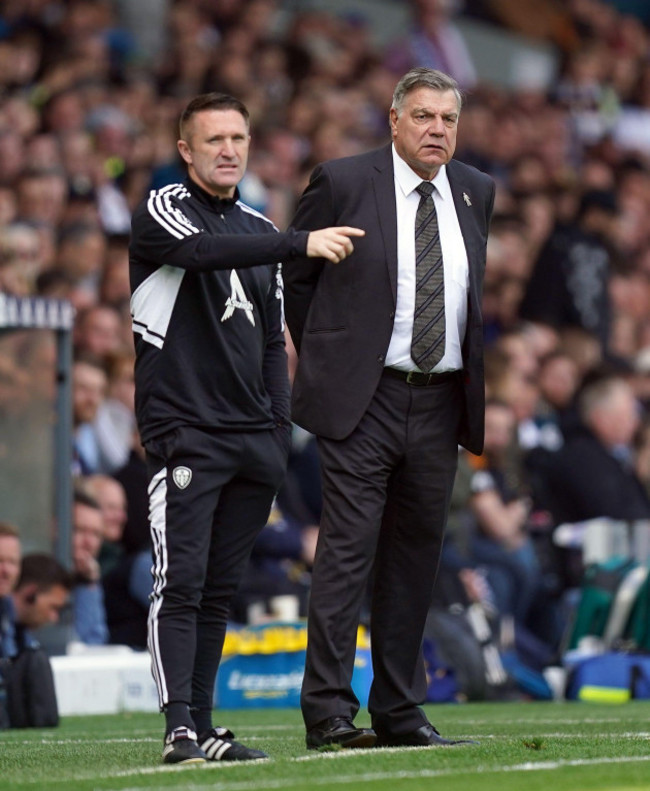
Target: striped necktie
x=428, y=343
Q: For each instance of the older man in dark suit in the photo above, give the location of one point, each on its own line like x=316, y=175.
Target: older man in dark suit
x=390, y=379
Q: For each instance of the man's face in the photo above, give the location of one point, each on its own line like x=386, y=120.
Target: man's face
x=88, y=389
x=9, y=563
x=424, y=132
x=616, y=421
x=43, y=607
x=110, y=496
x=100, y=333
x=216, y=150
x=87, y=530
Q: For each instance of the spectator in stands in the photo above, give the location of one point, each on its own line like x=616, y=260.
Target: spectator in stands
x=20, y=259
x=81, y=248
x=569, y=284
x=127, y=588
x=12, y=156
x=114, y=288
x=41, y=593
x=642, y=454
x=280, y=565
x=514, y=381
x=87, y=594
x=501, y=508
x=559, y=380
x=434, y=42
x=41, y=196
x=593, y=474
x=89, y=383
x=583, y=347
x=133, y=477
x=10, y=552
x=521, y=355
x=32, y=594
x=7, y=205
x=115, y=421
x=111, y=498
x=549, y=21
x=97, y=331
x=556, y=418
x=300, y=497
x=127, y=585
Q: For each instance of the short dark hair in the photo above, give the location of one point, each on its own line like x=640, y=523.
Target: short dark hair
x=44, y=571
x=211, y=101
x=421, y=77
x=600, y=200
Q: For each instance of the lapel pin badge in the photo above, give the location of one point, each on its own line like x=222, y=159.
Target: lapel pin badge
x=466, y=199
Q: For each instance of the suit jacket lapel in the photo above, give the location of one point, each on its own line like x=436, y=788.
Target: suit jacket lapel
x=384, y=185
x=463, y=201
x=465, y=204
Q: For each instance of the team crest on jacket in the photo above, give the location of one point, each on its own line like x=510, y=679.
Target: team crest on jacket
x=182, y=477
x=237, y=300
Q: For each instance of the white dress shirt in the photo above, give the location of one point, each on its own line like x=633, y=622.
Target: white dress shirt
x=455, y=265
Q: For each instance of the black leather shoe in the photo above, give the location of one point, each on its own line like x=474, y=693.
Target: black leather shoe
x=339, y=731
x=424, y=736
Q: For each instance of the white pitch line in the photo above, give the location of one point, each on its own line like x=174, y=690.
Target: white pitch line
x=337, y=754
x=284, y=783
x=542, y=721
x=296, y=727
x=348, y=753
x=123, y=740
x=577, y=735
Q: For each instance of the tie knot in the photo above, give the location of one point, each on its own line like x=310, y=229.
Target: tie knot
x=425, y=188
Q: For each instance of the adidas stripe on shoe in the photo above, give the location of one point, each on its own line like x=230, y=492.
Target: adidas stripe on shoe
x=181, y=747
x=219, y=744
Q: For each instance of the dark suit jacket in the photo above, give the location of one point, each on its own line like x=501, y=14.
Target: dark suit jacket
x=341, y=315
x=585, y=481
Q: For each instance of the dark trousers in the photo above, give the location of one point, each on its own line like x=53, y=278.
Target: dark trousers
x=386, y=492
x=203, y=531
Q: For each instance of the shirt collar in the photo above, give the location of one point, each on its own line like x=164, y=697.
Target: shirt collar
x=217, y=203
x=408, y=179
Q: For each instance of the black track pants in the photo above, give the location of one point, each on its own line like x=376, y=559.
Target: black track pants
x=209, y=496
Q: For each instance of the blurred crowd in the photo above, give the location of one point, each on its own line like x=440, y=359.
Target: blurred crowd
x=88, y=125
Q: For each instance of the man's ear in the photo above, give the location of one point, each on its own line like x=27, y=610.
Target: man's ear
x=30, y=592
x=392, y=117
x=184, y=151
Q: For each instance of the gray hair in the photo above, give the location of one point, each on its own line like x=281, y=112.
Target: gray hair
x=599, y=394
x=421, y=77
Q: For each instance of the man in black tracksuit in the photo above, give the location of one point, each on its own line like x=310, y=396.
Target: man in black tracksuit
x=212, y=404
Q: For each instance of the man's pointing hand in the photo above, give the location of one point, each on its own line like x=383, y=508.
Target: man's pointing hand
x=334, y=244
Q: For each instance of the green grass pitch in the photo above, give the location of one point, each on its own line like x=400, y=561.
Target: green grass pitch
x=531, y=746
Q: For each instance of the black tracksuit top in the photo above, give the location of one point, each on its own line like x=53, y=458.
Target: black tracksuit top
x=207, y=309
